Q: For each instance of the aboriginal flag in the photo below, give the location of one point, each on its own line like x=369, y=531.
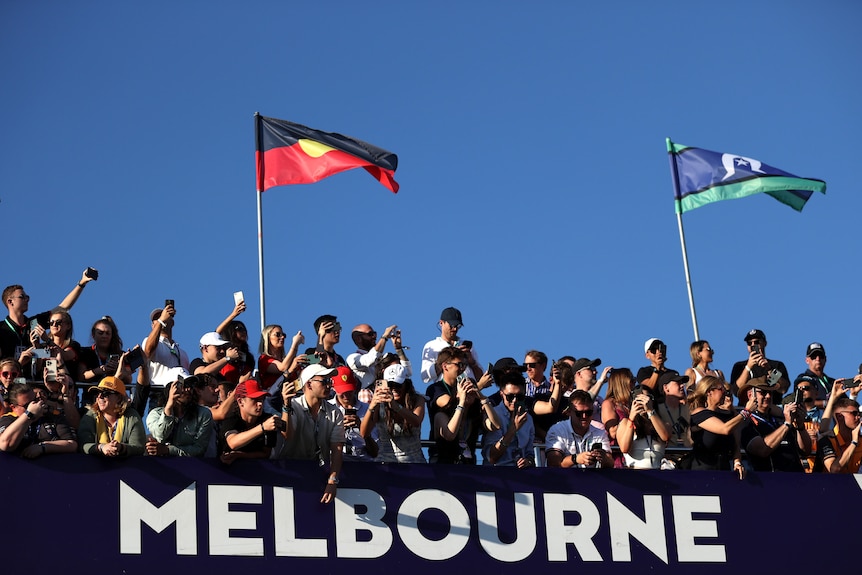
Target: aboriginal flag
x=289, y=153
x=702, y=176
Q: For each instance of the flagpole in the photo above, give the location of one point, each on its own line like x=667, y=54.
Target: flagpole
x=259, y=160
x=675, y=174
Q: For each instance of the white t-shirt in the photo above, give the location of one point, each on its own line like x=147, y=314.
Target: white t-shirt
x=563, y=438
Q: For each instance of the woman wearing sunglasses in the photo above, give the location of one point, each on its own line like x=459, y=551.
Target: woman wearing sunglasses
x=111, y=428
x=397, y=411
x=102, y=357
x=10, y=370
x=235, y=333
x=274, y=360
x=60, y=339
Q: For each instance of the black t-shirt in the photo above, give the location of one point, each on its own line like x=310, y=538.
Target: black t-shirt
x=785, y=457
x=49, y=427
x=234, y=423
x=711, y=450
x=758, y=371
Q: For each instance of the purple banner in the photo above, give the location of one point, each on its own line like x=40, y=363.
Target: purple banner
x=146, y=515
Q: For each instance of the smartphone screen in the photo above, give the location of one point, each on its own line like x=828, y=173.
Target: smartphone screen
x=238, y=297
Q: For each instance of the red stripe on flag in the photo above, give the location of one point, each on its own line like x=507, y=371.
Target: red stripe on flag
x=291, y=165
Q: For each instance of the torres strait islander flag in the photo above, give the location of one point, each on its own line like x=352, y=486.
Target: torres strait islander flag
x=289, y=153
x=701, y=177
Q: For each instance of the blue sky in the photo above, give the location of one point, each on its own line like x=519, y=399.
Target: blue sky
x=535, y=188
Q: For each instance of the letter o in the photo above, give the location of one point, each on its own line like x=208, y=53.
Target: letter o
x=408, y=528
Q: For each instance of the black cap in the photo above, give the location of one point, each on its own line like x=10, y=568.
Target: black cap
x=584, y=362
x=508, y=363
x=815, y=348
x=755, y=334
x=671, y=375
x=452, y=316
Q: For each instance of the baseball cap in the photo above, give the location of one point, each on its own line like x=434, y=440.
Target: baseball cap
x=671, y=375
x=249, y=388
x=815, y=348
x=110, y=383
x=505, y=363
x=213, y=338
x=652, y=343
x=314, y=370
x=452, y=316
x=584, y=362
x=344, y=380
x=395, y=373
x=755, y=334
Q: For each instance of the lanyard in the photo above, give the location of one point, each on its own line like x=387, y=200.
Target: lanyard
x=18, y=331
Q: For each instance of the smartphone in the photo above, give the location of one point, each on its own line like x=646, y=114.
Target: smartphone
x=51, y=369
x=597, y=446
x=799, y=399
x=34, y=323
x=297, y=385
x=135, y=358
x=169, y=302
x=467, y=343
x=756, y=348
x=774, y=376
x=92, y=273
x=461, y=377
x=349, y=411
x=237, y=297
x=41, y=353
x=114, y=357
x=312, y=358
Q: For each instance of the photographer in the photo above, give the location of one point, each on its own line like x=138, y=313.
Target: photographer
x=248, y=432
x=180, y=428
x=216, y=354
x=31, y=429
x=642, y=436
x=236, y=334
x=512, y=444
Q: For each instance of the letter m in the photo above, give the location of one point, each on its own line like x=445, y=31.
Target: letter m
x=135, y=510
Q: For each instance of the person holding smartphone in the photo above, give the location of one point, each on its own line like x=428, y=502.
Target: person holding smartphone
x=575, y=442
x=758, y=365
x=512, y=444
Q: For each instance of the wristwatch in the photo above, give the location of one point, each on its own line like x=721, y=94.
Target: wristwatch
x=333, y=481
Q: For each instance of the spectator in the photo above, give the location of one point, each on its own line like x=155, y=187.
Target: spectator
x=655, y=351
x=358, y=446
x=701, y=356
x=450, y=323
x=111, y=427
x=216, y=355
x=838, y=451
x=31, y=429
x=716, y=439
x=10, y=370
x=396, y=411
x=313, y=428
x=384, y=361
x=547, y=409
x=236, y=334
x=675, y=413
x=274, y=360
x=616, y=407
x=512, y=444
x=160, y=348
x=642, y=436
x=102, y=357
x=576, y=442
x=219, y=408
x=180, y=428
x=585, y=380
x=247, y=432
x=815, y=359
x=774, y=439
x=60, y=340
x=15, y=330
x=536, y=383
x=757, y=365
x=328, y=335
x=60, y=394
x=368, y=349
x=460, y=410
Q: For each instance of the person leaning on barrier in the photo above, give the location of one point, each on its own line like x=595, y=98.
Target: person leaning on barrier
x=396, y=412
x=775, y=438
x=59, y=393
x=180, y=427
x=311, y=427
x=838, y=451
x=31, y=428
x=716, y=437
x=674, y=413
x=642, y=436
x=248, y=432
x=111, y=427
x=576, y=442
x=358, y=446
x=512, y=444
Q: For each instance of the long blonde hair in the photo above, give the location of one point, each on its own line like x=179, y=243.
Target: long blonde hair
x=698, y=397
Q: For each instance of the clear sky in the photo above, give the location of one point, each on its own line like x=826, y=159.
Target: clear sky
x=535, y=189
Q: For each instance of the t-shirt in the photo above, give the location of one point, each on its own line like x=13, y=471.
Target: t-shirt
x=785, y=457
x=49, y=427
x=711, y=450
x=562, y=437
x=234, y=423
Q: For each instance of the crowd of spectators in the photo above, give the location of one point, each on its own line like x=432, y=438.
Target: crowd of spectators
x=313, y=404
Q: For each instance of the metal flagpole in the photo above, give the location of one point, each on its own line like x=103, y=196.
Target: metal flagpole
x=675, y=174
x=259, y=161
x=687, y=277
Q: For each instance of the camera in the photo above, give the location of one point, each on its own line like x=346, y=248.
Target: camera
x=92, y=273
x=280, y=425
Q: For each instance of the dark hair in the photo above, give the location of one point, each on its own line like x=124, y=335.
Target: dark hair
x=540, y=356
x=323, y=319
x=116, y=343
x=449, y=353
x=510, y=378
x=580, y=396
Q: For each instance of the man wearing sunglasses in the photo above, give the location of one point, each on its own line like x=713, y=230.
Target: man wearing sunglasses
x=838, y=451
x=15, y=329
x=575, y=442
x=814, y=376
x=512, y=444
x=311, y=427
x=30, y=429
x=757, y=365
x=655, y=351
x=450, y=323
